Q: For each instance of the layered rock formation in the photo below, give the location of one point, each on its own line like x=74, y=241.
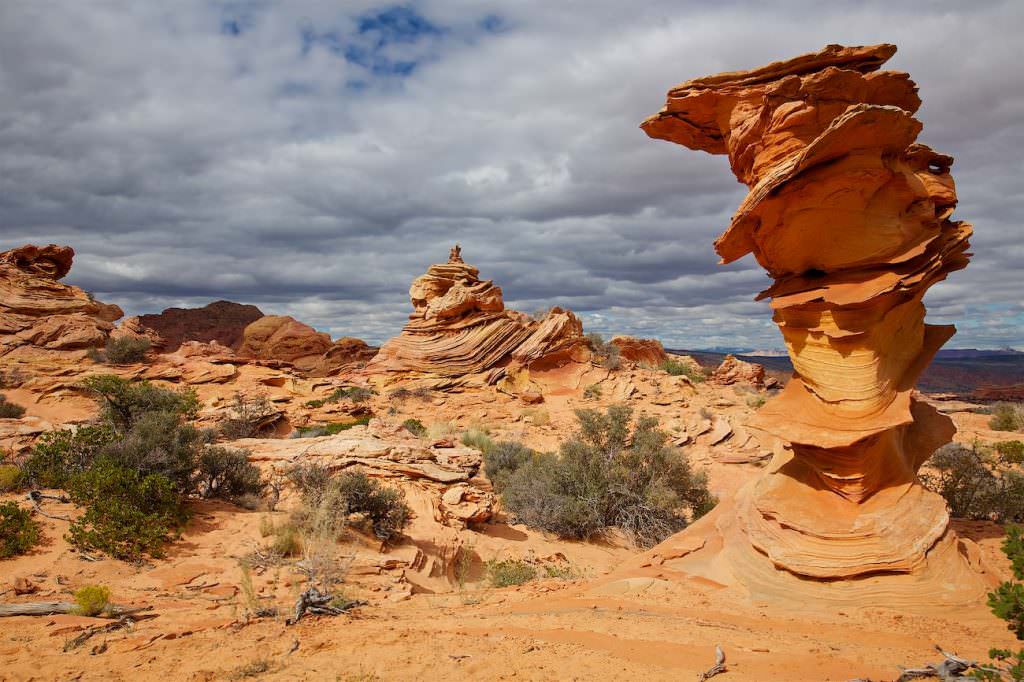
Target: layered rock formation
x=734, y=371
x=38, y=311
x=646, y=351
x=460, y=327
x=279, y=337
x=851, y=218
x=220, y=321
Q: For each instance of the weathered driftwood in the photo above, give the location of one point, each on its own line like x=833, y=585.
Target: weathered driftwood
x=35, y=496
x=319, y=603
x=717, y=668
x=126, y=622
x=948, y=671
x=51, y=608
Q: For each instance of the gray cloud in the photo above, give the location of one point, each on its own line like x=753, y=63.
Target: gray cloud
x=313, y=160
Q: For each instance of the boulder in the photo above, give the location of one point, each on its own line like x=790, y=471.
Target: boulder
x=278, y=337
x=734, y=371
x=37, y=311
x=645, y=351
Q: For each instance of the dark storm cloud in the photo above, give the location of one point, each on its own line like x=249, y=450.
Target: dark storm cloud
x=313, y=158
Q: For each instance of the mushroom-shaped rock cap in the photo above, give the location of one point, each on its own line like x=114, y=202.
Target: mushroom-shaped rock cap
x=50, y=261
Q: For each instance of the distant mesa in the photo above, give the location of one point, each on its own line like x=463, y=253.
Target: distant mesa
x=38, y=313
x=220, y=321
x=460, y=331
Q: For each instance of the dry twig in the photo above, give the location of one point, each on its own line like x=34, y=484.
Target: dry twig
x=717, y=668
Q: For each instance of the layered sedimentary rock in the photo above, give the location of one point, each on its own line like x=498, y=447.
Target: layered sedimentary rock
x=38, y=311
x=220, y=321
x=347, y=352
x=850, y=216
x=647, y=351
x=460, y=326
x=734, y=371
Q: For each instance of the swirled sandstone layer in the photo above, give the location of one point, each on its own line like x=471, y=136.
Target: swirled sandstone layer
x=851, y=217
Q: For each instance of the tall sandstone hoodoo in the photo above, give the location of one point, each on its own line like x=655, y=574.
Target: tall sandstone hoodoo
x=850, y=216
x=460, y=328
x=38, y=312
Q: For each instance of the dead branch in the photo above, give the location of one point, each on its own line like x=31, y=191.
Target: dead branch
x=948, y=671
x=35, y=496
x=51, y=608
x=320, y=603
x=717, y=668
x=126, y=622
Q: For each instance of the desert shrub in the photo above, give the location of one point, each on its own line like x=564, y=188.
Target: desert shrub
x=123, y=401
x=677, y=368
x=227, y=474
x=249, y=417
x=11, y=477
x=592, y=392
x=503, y=459
x=10, y=410
x=402, y=394
x=1007, y=603
x=756, y=401
x=538, y=416
x=1011, y=451
x=57, y=455
x=974, y=489
x=609, y=475
x=415, y=427
x=127, y=514
x=383, y=508
x=310, y=480
x=287, y=541
x=509, y=572
x=92, y=600
x=607, y=354
x=18, y=530
x=1006, y=417
x=159, y=444
x=477, y=437
x=126, y=350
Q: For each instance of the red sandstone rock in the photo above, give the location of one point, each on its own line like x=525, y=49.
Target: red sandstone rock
x=646, y=351
x=38, y=311
x=220, y=321
x=735, y=371
x=346, y=353
x=277, y=337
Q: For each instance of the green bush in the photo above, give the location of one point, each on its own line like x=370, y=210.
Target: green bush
x=311, y=480
x=677, y=368
x=127, y=515
x=227, y=474
x=974, y=489
x=126, y=350
x=383, y=508
x=18, y=530
x=10, y=410
x=609, y=475
x=123, y=402
x=415, y=427
x=1011, y=451
x=1007, y=603
x=330, y=429
x=92, y=600
x=509, y=572
x=503, y=459
x=159, y=443
x=11, y=477
x=592, y=392
x=58, y=455
x=1006, y=417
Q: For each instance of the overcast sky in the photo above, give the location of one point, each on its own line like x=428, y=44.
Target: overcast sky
x=313, y=158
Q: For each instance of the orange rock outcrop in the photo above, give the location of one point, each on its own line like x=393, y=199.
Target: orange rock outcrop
x=279, y=337
x=647, y=351
x=851, y=217
x=734, y=371
x=38, y=311
x=460, y=327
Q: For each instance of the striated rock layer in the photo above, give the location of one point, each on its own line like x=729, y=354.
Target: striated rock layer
x=460, y=327
x=37, y=311
x=851, y=217
x=645, y=351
